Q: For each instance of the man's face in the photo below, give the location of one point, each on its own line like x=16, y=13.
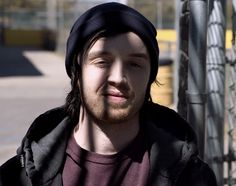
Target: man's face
x=115, y=75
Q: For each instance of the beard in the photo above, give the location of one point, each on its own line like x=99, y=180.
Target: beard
x=102, y=110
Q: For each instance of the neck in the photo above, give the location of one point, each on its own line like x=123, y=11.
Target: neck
x=105, y=138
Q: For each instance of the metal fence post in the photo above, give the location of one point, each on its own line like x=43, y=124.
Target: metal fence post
x=197, y=69
x=183, y=57
x=215, y=88
x=51, y=14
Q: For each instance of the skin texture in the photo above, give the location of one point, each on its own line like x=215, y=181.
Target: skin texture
x=114, y=79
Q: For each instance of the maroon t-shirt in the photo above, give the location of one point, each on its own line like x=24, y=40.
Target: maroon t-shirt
x=128, y=167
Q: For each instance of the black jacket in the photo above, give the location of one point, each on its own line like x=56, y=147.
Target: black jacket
x=172, y=148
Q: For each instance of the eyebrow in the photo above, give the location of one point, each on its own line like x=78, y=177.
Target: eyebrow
x=139, y=55
x=93, y=55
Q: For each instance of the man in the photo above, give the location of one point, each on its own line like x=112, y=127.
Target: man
x=109, y=132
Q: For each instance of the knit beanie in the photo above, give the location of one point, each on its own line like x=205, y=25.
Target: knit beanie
x=115, y=17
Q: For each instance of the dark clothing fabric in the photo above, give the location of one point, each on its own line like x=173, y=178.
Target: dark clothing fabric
x=171, y=143
x=128, y=167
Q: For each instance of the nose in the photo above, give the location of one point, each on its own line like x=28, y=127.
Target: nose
x=117, y=73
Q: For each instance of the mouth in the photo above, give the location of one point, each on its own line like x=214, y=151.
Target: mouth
x=116, y=96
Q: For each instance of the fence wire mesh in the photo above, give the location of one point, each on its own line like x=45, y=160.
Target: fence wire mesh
x=67, y=11
x=230, y=141
x=215, y=88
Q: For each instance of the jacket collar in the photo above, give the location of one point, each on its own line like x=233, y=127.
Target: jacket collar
x=168, y=156
x=44, y=145
x=171, y=141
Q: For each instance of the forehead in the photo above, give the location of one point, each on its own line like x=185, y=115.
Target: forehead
x=125, y=43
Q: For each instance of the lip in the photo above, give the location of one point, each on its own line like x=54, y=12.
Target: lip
x=116, y=96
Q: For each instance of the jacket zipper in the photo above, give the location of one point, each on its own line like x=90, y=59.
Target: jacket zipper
x=22, y=162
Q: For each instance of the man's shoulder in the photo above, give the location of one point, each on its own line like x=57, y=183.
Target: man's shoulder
x=169, y=121
x=161, y=112
x=197, y=172
x=12, y=162
x=10, y=172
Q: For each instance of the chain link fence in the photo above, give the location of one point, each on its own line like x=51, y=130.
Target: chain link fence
x=57, y=16
x=37, y=15
x=23, y=15
x=221, y=133
x=155, y=11
x=230, y=141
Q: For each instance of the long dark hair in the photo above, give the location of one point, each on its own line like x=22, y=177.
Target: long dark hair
x=73, y=100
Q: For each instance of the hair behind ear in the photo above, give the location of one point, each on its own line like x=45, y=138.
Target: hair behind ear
x=73, y=99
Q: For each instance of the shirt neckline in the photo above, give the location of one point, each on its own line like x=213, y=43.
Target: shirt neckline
x=78, y=154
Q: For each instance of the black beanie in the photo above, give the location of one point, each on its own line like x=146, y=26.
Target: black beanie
x=116, y=17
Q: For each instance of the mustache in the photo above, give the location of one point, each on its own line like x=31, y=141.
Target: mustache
x=119, y=90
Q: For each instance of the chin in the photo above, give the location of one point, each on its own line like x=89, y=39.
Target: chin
x=116, y=116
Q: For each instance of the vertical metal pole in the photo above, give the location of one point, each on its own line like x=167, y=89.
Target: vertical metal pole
x=51, y=14
x=2, y=27
x=123, y=1
x=177, y=55
x=61, y=42
x=77, y=8
x=183, y=57
x=197, y=69
x=216, y=87
x=159, y=14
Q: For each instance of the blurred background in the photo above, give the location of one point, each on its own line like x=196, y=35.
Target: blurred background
x=197, y=68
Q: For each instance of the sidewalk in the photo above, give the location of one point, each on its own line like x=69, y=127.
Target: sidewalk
x=31, y=82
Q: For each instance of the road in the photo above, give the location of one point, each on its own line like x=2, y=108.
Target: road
x=31, y=82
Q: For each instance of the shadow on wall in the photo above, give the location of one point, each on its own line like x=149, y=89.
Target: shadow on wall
x=13, y=63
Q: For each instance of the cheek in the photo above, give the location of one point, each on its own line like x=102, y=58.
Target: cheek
x=139, y=88
x=92, y=77
x=139, y=81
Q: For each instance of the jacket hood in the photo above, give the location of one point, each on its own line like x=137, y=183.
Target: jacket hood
x=171, y=140
x=43, y=145
x=169, y=121
x=172, y=143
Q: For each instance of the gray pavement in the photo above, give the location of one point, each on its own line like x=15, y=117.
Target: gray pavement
x=31, y=82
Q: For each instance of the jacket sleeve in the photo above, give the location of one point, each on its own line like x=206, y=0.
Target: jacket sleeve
x=11, y=173
x=197, y=173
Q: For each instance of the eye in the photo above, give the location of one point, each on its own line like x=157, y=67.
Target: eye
x=135, y=64
x=102, y=63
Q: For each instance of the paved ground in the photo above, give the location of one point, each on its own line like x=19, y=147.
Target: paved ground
x=31, y=82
